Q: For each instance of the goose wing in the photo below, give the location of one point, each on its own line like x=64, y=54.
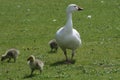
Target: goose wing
x=76, y=33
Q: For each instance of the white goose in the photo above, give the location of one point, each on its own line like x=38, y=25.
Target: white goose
x=67, y=37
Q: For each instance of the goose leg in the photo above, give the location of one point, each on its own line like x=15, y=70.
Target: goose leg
x=65, y=53
x=73, y=52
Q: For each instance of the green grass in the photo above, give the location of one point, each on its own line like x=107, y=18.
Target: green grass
x=29, y=24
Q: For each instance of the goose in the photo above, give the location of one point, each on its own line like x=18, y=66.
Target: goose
x=67, y=37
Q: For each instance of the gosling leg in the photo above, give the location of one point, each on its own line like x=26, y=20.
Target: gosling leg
x=9, y=59
x=14, y=60
x=32, y=70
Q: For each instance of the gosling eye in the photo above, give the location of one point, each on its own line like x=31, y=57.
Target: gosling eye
x=75, y=6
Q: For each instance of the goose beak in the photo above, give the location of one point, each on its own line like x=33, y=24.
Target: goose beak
x=79, y=8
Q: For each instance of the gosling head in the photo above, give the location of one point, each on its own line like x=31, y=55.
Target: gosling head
x=31, y=58
x=2, y=57
x=73, y=7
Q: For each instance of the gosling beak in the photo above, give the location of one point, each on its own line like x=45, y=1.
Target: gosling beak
x=28, y=59
x=79, y=8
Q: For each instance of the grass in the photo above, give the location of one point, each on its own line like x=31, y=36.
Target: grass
x=28, y=25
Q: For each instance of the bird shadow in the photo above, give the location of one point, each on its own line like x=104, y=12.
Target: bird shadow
x=29, y=76
x=52, y=52
x=7, y=62
x=63, y=62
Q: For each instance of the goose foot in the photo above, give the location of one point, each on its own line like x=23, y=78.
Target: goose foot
x=69, y=61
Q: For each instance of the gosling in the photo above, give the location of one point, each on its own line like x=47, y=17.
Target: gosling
x=10, y=54
x=35, y=64
x=53, y=45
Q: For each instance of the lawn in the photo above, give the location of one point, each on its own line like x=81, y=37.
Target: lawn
x=29, y=25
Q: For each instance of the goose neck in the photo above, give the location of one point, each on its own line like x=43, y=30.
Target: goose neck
x=69, y=21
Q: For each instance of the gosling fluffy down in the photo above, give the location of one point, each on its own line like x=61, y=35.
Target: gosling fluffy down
x=35, y=64
x=10, y=54
x=53, y=45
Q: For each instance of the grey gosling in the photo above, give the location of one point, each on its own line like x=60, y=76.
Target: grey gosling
x=35, y=64
x=53, y=45
x=10, y=54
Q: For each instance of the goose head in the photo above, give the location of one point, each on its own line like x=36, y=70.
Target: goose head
x=73, y=7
